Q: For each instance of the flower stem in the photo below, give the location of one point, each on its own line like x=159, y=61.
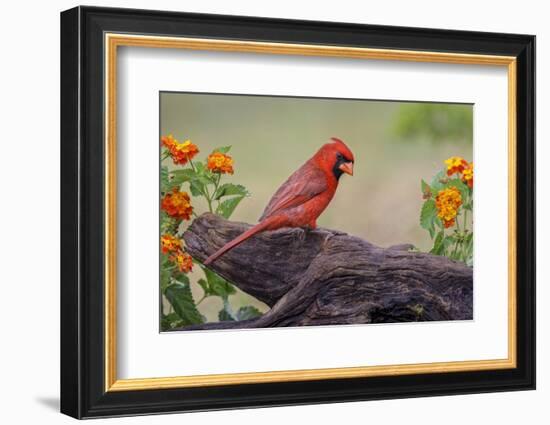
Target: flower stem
x=192, y=165
x=453, y=254
x=204, y=191
x=216, y=185
x=466, y=211
x=208, y=198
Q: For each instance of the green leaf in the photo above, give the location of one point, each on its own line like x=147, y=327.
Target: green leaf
x=448, y=242
x=181, y=176
x=425, y=187
x=463, y=188
x=226, y=208
x=469, y=255
x=225, y=316
x=164, y=277
x=230, y=189
x=200, y=167
x=437, y=182
x=217, y=285
x=204, y=175
x=204, y=285
x=438, y=244
x=164, y=181
x=170, y=321
x=181, y=277
x=167, y=224
x=197, y=188
x=226, y=313
x=204, y=179
x=222, y=149
x=248, y=312
x=427, y=214
x=180, y=297
x=199, y=181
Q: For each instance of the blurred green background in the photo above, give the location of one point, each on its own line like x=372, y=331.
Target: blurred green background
x=395, y=145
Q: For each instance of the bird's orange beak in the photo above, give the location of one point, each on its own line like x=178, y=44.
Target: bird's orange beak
x=347, y=167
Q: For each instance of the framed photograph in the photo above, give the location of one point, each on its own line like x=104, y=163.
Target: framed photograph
x=261, y=212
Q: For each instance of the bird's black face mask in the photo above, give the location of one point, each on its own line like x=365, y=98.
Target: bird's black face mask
x=342, y=165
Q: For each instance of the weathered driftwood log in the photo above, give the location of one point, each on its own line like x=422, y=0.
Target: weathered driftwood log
x=326, y=277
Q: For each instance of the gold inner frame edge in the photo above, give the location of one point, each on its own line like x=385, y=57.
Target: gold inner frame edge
x=113, y=41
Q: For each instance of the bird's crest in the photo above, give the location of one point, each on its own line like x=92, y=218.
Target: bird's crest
x=340, y=146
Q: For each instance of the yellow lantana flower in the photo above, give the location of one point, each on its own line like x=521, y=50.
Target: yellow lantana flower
x=447, y=203
x=183, y=261
x=169, y=243
x=181, y=152
x=177, y=204
x=218, y=162
x=468, y=175
x=455, y=164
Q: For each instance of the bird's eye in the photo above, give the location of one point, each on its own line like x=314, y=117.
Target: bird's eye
x=339, y=156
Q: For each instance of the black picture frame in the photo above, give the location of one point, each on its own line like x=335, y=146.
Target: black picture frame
x=83, y=392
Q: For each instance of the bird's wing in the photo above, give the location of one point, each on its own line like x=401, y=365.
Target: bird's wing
x=305, y=183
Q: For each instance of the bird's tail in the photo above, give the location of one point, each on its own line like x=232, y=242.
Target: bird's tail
x=238, y=240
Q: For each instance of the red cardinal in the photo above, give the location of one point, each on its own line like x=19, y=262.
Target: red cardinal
x=305, y=194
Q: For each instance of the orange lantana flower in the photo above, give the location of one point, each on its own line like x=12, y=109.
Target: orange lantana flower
x=181, y=152
x=183, y=261
x=455, y=164
x=169, y=243
x=177, y=204
x=468, y=175
x=447, y=203
x=220, y=163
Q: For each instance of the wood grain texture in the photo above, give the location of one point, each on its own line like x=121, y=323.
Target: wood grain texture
x=327, y=277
